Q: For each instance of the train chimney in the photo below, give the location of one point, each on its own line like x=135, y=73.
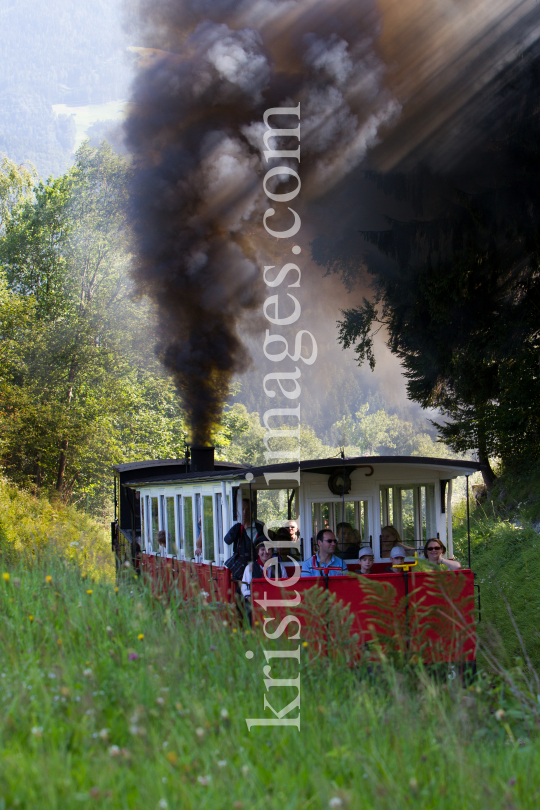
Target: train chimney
x=202, y=458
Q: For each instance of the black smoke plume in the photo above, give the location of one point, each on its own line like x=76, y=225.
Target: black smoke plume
x=208, y=70
x=401, y=79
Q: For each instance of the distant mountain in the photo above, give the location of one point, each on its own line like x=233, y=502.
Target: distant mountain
x=62, y=51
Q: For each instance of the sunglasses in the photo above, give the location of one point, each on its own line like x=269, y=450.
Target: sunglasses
x=434, y=548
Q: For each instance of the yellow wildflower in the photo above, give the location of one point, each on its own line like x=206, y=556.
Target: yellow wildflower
x=48, y=579
x=89, y=592
x=59, y=642
x=30, y=618
x=304, y=644
x=116, y=590
x=140, y=636
x=5, y=576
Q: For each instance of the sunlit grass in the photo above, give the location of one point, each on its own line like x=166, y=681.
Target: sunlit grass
x=31, y=526
x=112, y=698
x=505, y=557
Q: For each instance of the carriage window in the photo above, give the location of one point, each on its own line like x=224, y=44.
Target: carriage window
x=198, y=520
x=276, y=504
x=169, y=526
x=208, y=527
x=428, y=511
x=188, y=528
x=351, y=526
x=179, y=527
x=322, y=517
x=143, y=524
x=154, y=521
x=411, y=510
x=219, y=526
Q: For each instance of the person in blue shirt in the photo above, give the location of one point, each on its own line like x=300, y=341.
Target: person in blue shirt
x=325, y=559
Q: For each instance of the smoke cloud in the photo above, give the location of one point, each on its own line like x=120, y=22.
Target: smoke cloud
x=209, y=71
x=395, y=79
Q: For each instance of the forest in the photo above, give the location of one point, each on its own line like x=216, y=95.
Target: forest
x=80, y=386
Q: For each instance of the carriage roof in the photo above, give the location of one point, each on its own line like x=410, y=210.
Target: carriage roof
x=175, y=471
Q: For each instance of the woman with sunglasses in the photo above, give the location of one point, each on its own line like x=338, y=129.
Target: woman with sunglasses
x=433, y=552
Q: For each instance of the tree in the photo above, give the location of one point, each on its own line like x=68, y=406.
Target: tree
x=16, y=186
x=80, y=388
x=383, y=434
x=459, y=294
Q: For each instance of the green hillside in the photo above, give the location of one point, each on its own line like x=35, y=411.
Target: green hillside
x=505, y=556
x=32, y=528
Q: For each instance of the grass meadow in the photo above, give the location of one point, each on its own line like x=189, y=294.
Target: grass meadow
x=112, y=698
x=505, y=556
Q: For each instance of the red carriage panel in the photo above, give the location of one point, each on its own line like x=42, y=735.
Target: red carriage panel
x=429, y=615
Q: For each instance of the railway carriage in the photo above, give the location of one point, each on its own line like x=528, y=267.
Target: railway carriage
x=184, y=497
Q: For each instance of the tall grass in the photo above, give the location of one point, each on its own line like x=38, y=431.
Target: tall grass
x=31, y=526
x=113, y=698
x=505, y=557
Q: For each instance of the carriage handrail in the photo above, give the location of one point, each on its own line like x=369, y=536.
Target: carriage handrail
x=407, y=566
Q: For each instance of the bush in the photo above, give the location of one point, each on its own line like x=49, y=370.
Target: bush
x=31, y=527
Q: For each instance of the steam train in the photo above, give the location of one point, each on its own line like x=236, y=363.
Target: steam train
x=197, y=498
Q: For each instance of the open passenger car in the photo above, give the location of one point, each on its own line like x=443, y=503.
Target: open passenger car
x=433, y=613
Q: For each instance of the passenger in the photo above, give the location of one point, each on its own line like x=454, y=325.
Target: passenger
x=397, y=555
x=344, y=535
x=433, y=552
x=389, y=537
x=254, y=570
x=242, y=535
x=325, y=559
x=365, y=555
x=348, y=548
x=161, y=537
x=198, y=542
x=294, y=531
x=289, y=534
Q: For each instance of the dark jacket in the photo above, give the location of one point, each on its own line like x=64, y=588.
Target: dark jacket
x=241, y=542
x=271, y=572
